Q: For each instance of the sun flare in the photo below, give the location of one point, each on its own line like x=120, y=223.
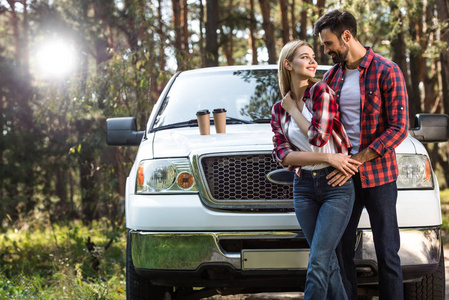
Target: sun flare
x=55, y=59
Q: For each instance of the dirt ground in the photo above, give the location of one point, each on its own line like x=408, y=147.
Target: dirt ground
x=299, y=296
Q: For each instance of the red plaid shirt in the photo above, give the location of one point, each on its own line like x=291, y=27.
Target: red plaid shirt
x=384, y=114
x=320, y=100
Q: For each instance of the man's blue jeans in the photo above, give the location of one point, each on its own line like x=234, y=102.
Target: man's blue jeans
x=323, y=212
x=380, y=202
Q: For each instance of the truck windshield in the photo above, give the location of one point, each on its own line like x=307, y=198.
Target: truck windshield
x=247, y=95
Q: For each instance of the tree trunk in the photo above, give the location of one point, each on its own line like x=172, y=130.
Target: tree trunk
x=63, y=209
x=414, y=95
x=229, y=40
x=85, y=48
x=15, y=27
x=131, y=31
x=23, y=98
x=416, y=70
x=268, y=27
x=438, y=159
x=102, y=42
x=320, y=6
x=25, y=53
x=444, y=58
x=285, y=28
x=319, y=55
x=185, y=28
x=399, y=49
x=185, y=53
x=293, y=33
x=252, y=31
x=399, y=52
x=87, y=167
x=156, y=86
x=162, y=57
x=114, y=157
x=443, y=16
x=430, y=75
x=303, y=21
x=211, y=33
x=176, y=5
x=202, y=50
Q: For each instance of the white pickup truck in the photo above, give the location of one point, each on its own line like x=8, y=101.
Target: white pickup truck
x=204, y=219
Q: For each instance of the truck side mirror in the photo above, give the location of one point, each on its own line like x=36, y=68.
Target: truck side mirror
x=123, y=132
x=431, y=128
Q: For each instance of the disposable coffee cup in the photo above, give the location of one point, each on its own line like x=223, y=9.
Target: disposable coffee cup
x=203, y=117
x=220, y=120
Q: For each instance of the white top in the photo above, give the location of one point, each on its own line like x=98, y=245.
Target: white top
x=297, y=138
x=350, y=107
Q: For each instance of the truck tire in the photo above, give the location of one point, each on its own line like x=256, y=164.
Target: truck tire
x=431, y=286
x=138, y=287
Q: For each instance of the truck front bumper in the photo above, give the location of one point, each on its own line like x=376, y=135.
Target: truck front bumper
x=271, y=251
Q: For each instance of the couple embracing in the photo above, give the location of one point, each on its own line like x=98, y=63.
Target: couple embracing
x=339, y=137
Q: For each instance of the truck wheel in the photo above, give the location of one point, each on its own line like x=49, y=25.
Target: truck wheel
x=138, y=287
x=431, y=286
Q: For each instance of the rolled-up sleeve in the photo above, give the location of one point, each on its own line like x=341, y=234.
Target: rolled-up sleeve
x=324, y=112
x=282, y=146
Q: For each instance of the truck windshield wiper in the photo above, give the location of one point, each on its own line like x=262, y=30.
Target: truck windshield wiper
x=194, y=123
x=231, y=120
x=190, y=123
x=262, y=121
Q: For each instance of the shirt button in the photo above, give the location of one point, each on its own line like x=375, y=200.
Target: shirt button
x=370, y=92
x=314, y=174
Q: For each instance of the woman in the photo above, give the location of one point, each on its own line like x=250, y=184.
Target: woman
x=310, y=137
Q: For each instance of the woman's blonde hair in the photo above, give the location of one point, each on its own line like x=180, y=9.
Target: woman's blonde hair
x=287, y=53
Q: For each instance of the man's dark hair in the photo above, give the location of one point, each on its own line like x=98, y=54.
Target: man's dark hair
x=337, y=21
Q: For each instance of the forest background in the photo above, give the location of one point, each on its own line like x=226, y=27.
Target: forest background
x=68, y=65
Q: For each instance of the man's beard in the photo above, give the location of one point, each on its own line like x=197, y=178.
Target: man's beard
x=340, y=56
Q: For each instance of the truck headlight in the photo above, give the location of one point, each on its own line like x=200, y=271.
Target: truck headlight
x=415, y=171
x=164, y=175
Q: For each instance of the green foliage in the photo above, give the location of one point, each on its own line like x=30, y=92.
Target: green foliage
x=53, y=261
x=18, y=138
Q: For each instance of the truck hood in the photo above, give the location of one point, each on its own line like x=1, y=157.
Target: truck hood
x=181, y=142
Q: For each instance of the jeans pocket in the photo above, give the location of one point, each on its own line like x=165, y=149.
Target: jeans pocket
x=296, y=179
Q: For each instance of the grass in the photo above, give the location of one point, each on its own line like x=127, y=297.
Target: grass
x=68, y=261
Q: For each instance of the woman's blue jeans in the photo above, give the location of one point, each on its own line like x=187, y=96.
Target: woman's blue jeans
x=323, y=212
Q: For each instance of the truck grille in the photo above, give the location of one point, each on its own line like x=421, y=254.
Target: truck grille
x=242, y=177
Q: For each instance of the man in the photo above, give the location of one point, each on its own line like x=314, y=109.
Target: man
x=374, y=110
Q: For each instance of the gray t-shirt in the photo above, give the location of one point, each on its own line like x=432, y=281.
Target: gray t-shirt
x=350, y=107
